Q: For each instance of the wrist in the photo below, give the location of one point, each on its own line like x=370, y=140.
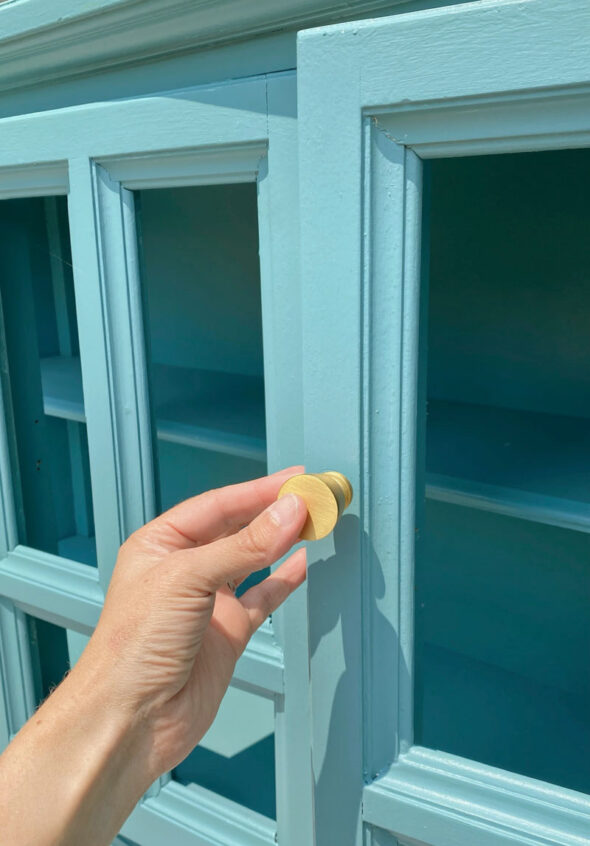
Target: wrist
x=120, y=736
x=108, y=749
x=103, y=752
x=86, y=759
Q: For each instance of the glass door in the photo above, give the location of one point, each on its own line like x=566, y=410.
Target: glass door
x=204, y=340
x=178, y=370
x=444, y=173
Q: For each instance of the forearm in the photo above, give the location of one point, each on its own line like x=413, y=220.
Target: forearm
x=150, y=681
x=75, y=771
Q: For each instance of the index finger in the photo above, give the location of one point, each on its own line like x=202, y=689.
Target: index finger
x=216, y=513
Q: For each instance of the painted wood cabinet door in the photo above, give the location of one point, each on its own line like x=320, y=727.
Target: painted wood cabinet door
x=444, y=184
x=156, y=362
x=431, y=685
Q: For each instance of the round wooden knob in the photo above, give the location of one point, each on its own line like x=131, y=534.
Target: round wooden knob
x=326, y=495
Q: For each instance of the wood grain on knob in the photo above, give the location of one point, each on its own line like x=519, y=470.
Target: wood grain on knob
x=326, y=495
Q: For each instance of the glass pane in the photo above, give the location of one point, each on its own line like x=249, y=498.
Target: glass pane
x=236, y=757
x=49, y=654
x=54, y=651
x=42, y=380
x=502, y=575
x=201, y=281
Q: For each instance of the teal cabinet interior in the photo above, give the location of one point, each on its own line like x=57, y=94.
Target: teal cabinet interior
x=506, y=434
x=228, y=247
x=51, y=449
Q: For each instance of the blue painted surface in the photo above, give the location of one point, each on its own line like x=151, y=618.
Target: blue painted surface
x=241, y=371
x=204, y=336
x=52, y=454
x=375, y=100
x=502, y=604
x=247, y=777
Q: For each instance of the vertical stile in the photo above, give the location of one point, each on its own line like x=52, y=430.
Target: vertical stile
x=17, y=693
x=330, y=156
x=361, y=288
x=383, y=182
x=281, y=303
x=65, y=312
x=392, y=282
x=409, y=348
x=114, y=375
x=431, y=99
x=114, y=369
x=392, y=182
x=17, y=690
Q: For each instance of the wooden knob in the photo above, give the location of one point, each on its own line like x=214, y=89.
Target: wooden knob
x=326, y=496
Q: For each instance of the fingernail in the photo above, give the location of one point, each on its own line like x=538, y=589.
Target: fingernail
x=285, y=510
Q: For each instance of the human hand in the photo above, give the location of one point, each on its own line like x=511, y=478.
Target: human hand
x=149, y=683
x=172, y=629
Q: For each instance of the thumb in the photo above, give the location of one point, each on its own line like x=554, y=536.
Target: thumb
x=258, y=545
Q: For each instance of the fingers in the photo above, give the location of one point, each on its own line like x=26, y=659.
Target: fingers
x=266, y=539
x=265, y=597
x=219, y=512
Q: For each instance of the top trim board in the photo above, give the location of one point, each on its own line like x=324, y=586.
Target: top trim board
x=41, y=41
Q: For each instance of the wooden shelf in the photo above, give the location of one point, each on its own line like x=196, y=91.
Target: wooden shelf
x=523, y=464
x=61, y=378
x=222, y=412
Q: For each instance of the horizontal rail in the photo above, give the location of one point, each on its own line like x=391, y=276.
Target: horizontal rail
x=68, y=594
x=194, y=816
x=444, y=800
x=55, y=589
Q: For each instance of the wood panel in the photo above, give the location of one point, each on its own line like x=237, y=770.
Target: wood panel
x=432, y=83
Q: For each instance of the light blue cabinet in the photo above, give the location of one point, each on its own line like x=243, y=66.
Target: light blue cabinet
x=227, y=247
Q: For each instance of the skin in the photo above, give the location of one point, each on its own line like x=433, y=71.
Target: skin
x=151, y=679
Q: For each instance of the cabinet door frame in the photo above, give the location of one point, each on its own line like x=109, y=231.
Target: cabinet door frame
x=97, y=154
x=375, y=98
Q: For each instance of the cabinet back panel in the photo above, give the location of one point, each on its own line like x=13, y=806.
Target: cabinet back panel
x=202, y=276
x=185, y=471
x=503, y=634
x=510, y=281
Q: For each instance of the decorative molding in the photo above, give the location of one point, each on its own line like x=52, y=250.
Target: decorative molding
x=391, y=275
x=42, y=42
x=194, y=816
x=442, y=799
x=64, y=592
x=217, y=166
x=43, y=180
x=553, y=119
x=106, y=282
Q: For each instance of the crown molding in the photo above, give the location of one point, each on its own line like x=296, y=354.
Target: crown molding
x=40, y=42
